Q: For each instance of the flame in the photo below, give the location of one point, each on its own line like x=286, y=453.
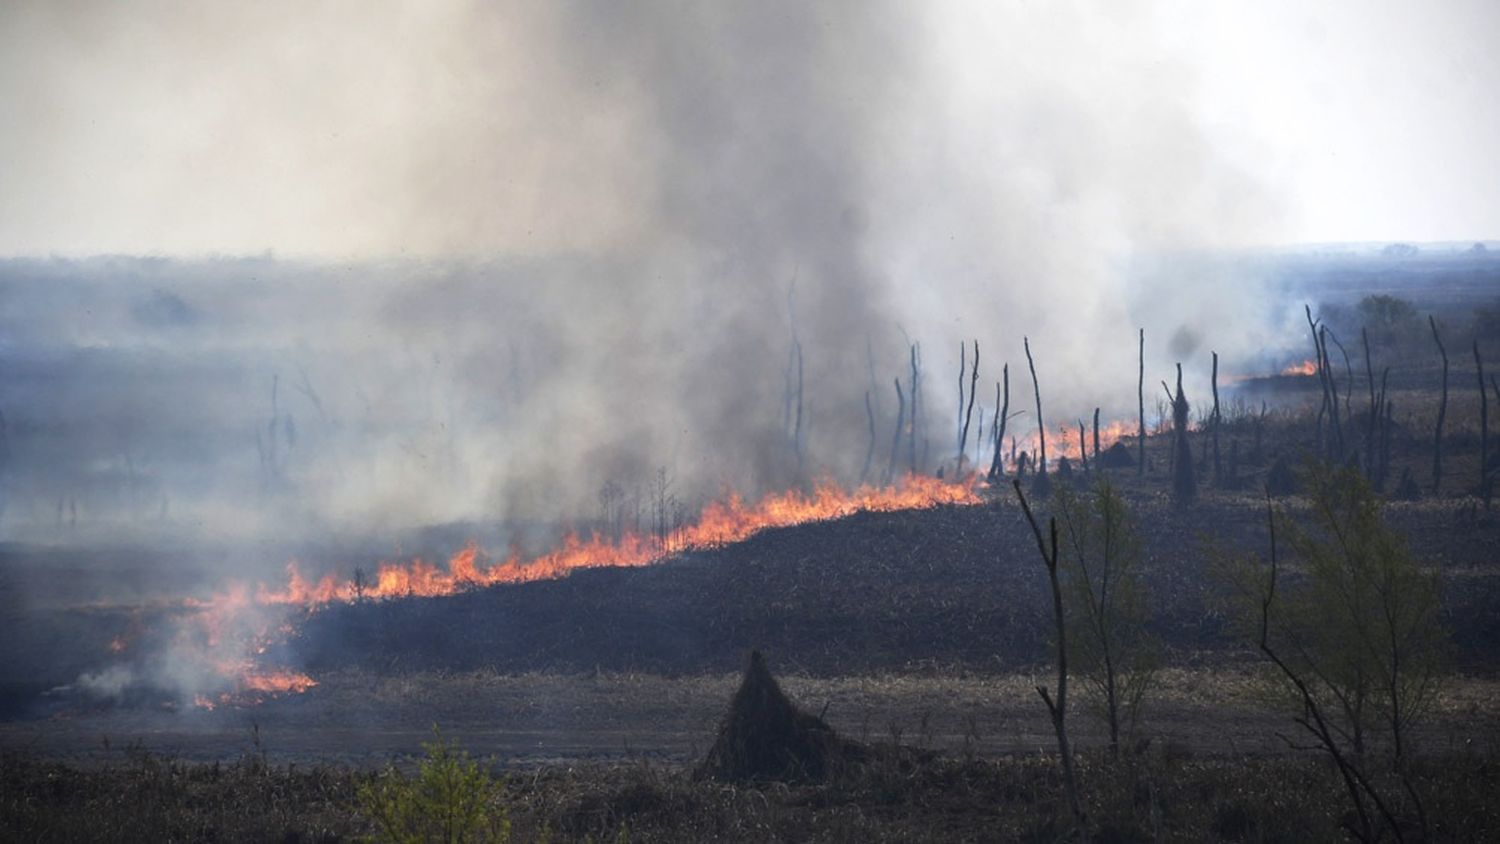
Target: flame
x=117, y=645
x=1307, y=367
x=731, y=520
x=235, y=620
x=1062, y=441
x=252, y=685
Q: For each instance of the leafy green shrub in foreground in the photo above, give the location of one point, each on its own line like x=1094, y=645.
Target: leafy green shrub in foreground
x=451, y=799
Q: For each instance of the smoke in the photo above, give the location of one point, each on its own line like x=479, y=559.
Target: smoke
x=537, y=247
x=108, y=684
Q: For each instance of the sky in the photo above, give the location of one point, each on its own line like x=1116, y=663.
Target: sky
x=371, y=130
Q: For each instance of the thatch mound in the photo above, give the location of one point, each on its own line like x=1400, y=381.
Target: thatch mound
x=1407, y=490
x=1281, y=480
x=765, y=737
x=1117, y=456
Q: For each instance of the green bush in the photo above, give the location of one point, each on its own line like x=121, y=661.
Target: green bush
x=451, y=799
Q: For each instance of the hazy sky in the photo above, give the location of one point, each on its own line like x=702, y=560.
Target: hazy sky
x=375, y=129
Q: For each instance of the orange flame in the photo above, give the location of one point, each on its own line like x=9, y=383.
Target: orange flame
x=1307, y=367
x=252, y=686
x=731, y=520
x=1062, y=441
x=220, y=622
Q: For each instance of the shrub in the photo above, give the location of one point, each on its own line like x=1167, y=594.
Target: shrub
x=451, y=799
x=1114, y=654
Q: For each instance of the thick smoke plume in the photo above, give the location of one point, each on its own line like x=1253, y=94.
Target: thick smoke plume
x=535, y=248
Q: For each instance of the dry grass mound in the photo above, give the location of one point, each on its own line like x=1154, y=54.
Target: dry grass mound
x=764, y=737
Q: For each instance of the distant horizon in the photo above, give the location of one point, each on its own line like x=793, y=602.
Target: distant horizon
x=317, y=259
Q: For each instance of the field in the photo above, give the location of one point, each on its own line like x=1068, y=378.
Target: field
x=921, y=635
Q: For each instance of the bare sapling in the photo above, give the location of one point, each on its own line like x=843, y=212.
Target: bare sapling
x=1114, y=653
x=1056, y=708
x=1312, y=720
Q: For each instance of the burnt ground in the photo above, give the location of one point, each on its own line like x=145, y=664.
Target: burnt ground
x=924, y=624
x=957, y=587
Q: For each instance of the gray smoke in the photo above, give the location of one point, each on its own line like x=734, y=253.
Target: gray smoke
x=538, y=247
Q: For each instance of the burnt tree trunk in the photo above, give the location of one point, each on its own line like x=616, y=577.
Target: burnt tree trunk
x=1218, y=476
x=1349, y=379
x=890, y=468
x=1437, y=437
x=958, y=423
x=1083, y=450
x=797, y=429
x=1322, y=373
x=963, y=437
x=1184, y=479
x=869, y=451
x=915, y=410
x=1096, y=435
x=1140, y=394
x=1041, y=430
x=997, y=467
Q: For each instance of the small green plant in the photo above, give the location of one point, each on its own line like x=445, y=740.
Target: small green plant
x=451, y=799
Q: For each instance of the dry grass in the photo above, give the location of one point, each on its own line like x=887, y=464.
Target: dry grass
x=1165, y=794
